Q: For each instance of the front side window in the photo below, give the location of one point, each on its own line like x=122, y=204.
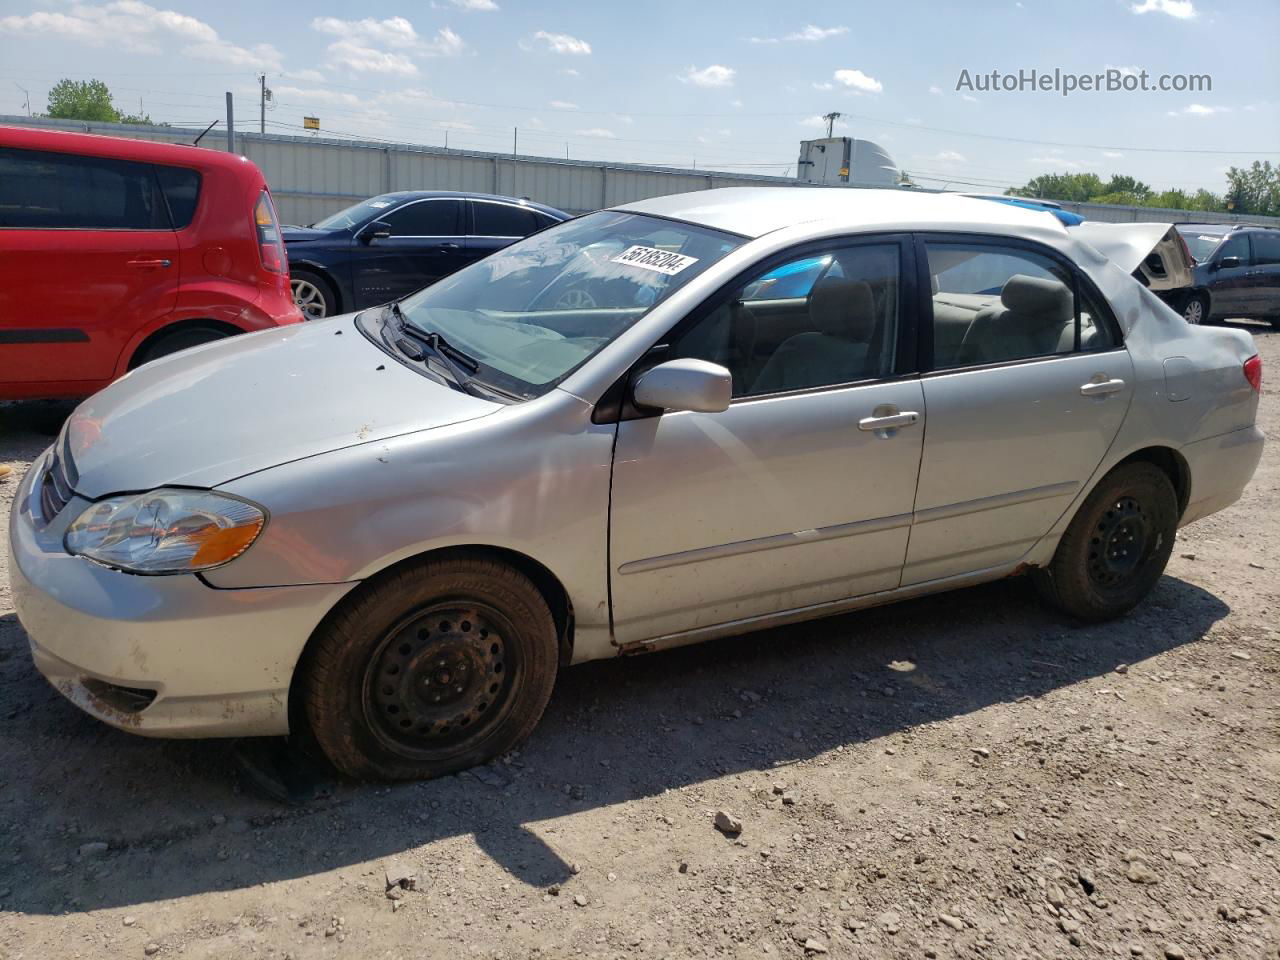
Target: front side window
x=425, y=218
x=48, y=190
x=993, y=304
x=1237, y=246
x=534, y=311
x=502, y=220
x=815, y=321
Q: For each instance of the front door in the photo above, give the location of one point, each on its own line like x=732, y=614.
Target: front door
x=87, y=258
x=426, y=243
x=801, y=492
x=1229, y=287
x=1026, y=395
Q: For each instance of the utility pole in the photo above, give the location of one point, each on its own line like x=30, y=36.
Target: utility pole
x=446, y=138
x=515, y=140
x=26, y=96
x=231, y=124
x=263, y=96
x=831, y=119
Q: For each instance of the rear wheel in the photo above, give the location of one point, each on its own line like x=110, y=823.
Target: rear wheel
x=313, y=294
x=1195, y=310
x=1116, y=547
x=439, y=666
x=183, y=339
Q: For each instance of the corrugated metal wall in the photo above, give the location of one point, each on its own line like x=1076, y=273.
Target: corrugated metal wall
x=312, y=177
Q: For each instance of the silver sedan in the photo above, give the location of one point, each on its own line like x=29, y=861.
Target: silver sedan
x=684, y=418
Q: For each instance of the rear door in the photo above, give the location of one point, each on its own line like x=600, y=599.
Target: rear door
x=1264, y=275
x=1028, y=385
x=426, y=243
x=87, y=257
x=495, y=224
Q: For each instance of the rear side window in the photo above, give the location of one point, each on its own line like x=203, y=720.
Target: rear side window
x=1266, y=247
x=40, y=189
x=503, y=220
x=181, y=188
x=994, y=304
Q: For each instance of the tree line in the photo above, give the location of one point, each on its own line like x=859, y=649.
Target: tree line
x=1252, y=190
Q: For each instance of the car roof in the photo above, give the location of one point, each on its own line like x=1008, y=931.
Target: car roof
x=755, y=211
x=121, y=148
x=466, y=195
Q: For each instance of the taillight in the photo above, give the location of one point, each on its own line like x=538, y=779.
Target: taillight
x=270, y=246
x=1253, y=372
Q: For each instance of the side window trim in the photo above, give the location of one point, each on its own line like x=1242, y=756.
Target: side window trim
x=1079, y=282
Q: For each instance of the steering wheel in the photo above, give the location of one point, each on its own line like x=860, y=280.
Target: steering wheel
x=575, y=298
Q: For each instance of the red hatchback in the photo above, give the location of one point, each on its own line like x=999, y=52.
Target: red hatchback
x=114, y=252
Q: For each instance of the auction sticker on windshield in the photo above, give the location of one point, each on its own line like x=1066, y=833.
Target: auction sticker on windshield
x=651, y=258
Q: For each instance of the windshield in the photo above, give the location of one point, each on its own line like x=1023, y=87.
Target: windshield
x=355, y=214
x=1201, y=240
x=536, y=310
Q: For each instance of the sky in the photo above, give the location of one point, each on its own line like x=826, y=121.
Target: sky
x=716, y=85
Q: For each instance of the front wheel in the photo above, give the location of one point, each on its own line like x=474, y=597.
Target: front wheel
x=436, y=667
x=1116, y=547
x=1196, y=309
x=313, y=295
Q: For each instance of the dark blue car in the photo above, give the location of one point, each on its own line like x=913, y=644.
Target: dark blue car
x=388, y=246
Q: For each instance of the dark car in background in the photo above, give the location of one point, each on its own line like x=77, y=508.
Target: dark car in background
x=1236, y=272
x=388, y=246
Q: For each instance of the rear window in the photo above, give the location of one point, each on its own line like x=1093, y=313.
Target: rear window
x=1201, y=239
x=40, y=189
x=181, y=188
x=502, y=220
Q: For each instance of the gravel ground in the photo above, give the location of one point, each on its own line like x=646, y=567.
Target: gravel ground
x=966, y=775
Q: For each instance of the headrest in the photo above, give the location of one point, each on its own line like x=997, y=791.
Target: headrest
x=843, y=308
x=1047, y=299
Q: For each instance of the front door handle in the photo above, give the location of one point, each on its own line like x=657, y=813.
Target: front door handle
x=449, y=246
x=890, y=422
x=150, y=264
x=1100, y=388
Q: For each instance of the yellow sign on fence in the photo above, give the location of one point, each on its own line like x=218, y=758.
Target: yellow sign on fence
x=310, y=123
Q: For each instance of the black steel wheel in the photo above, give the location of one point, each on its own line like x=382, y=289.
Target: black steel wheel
x=433, y=667
x=1117, y=545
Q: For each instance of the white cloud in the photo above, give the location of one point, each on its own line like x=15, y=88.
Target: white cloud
x=1124, y=71
x=736, y=103
x=825, y=85
x=914, y=121
x=934, y=88
x=599, y=132
x=809, y=34
x=472, y=6
x=569, y=72
x=1197, y=110
x=948, y=156
x=1179, y=9
x=445, y=44
x=285, y=94
x=857, y=80
x=352, y=55
x=562, y=105
x=138, y=27
x=712, y=76
x=558, y=43
x=455, y=125
x=1112, y=154
x=392, y=32
x=535, y=123
x=307, y=76
x=968, y=99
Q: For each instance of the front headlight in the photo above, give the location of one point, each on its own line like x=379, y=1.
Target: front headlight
x=165, y=531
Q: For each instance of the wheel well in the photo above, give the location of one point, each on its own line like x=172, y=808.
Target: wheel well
x=1172, y=463
x=323, y=275
x=158, y=335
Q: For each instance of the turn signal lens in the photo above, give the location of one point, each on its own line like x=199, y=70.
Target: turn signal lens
x=1253, y=372
x=165, y=531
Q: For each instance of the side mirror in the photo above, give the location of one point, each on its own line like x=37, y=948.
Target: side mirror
x=378, y=230
x=1228, y=263
x=695, y=385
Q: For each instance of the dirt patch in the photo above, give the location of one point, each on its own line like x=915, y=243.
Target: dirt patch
x=961, y=776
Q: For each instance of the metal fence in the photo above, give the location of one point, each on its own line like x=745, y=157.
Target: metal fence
x=311, y=177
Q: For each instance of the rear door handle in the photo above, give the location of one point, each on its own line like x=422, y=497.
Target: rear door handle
x=150, y=264
x=891, y=422
x=1100, y=388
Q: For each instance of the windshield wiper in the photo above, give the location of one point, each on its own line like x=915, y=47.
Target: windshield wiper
x=460, y=366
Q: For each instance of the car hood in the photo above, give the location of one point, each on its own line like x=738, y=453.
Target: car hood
x=216, y=412
x=1153, y=252
x=304, y=234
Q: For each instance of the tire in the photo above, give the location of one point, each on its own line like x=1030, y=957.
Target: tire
x=1116, y=546
x=1195, y=309
x=182, y=339
x=313, y=294
x=472, y=631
